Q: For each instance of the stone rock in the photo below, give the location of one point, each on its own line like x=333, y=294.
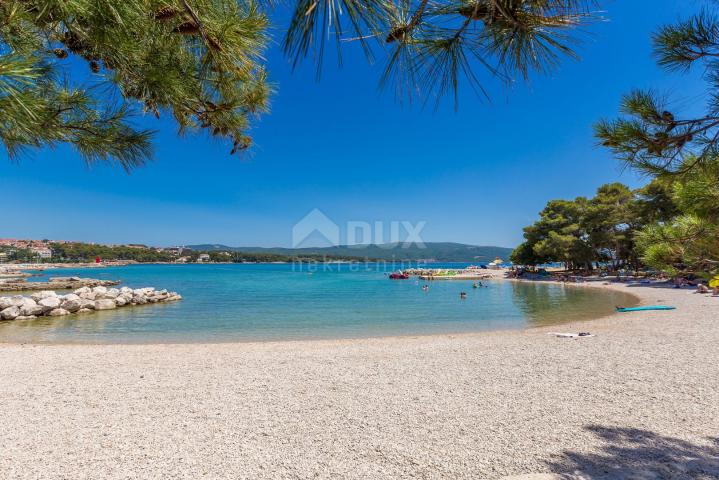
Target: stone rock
x=126, y=291
x=37, y=296
x=105, y=304
x=18, y=300
x=31, y=310
x=112, y=293
x=25, y=302
x=26, y=317
x=5, y=302
x=120, y=301
x=10, y=313
x=88, y=295
x=82, y=290
x=99, y=290
x=70, y=296
x=49, y=303
x=87, y=304
x=72, y=305
x=85, y=310
x=139, y=299
x=58, y=312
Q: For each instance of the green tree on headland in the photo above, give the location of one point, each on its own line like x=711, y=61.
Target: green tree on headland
x=680, y=153
x=583, y=231
x=199, y=61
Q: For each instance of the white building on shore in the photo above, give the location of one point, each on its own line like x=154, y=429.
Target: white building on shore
x=41, y=252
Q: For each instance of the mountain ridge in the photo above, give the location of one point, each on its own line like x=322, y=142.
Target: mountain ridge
x=433, y=251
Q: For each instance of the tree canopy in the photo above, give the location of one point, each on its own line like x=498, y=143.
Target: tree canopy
x=680, y=207
x=655, y=138
x=200, y=61
x=583, y=231
x=431, y=47
x=671, y=224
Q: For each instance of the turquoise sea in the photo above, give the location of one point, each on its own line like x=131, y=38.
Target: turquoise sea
x=250, y=302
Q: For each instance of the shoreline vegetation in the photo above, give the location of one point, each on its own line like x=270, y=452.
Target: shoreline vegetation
x=49, y=252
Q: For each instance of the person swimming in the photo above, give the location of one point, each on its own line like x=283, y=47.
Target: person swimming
x=462, y=295
x=475, y=285
x=425, y=288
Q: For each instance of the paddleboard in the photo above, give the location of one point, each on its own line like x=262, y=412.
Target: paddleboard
x=648, y=307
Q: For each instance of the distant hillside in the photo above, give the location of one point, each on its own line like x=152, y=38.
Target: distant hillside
x=435, y=251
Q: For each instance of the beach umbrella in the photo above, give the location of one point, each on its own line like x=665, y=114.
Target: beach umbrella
x=714, y=282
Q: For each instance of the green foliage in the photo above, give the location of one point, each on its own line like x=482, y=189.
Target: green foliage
x=437, y=251
x=671, y=224
x=582, y=231
x=85, y=252
x=680, y=207
x=650, y=136
x=198, y=61
x=524, y=254
x=686, y=244
x=432, y=46
x=18, y=254
x=655, y=202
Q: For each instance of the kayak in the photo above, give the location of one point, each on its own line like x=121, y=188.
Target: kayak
x=648, y=307
x=398, y=276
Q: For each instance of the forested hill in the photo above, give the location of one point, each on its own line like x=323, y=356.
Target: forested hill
x=433, y=251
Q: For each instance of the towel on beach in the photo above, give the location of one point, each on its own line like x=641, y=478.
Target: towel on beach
x=570, y=335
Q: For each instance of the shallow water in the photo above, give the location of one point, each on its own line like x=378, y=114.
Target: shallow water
x=286, y=302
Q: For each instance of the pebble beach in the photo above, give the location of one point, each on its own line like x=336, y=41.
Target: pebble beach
x=639, y=399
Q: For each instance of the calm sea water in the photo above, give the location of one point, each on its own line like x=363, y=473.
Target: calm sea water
x=281, y=302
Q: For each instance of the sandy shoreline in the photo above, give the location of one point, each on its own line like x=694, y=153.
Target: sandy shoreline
x=640, y=396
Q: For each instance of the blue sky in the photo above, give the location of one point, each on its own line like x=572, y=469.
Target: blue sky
x=477, y=175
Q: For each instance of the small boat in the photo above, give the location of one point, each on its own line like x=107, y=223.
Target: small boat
x=398, y=276
x=648, y=307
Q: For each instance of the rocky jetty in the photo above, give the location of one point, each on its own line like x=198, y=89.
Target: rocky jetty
x=82, y=300
x=55, y=283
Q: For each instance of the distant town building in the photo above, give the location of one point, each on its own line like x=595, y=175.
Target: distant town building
x=203, y=258
x=41, y=252
x=3, y=257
